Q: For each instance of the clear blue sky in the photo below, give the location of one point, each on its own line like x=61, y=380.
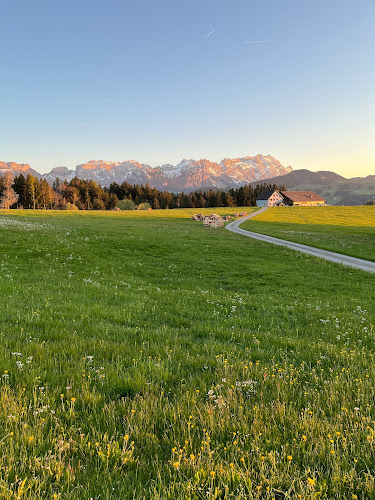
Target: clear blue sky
x=141, y=79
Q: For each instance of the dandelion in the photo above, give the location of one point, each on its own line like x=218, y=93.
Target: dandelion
x=231, y=465
x=73, y=400
x=304, y=438
x=212, y=473
x=289, y=457
x=311, y=481
x=332, y=452
x=176, y=465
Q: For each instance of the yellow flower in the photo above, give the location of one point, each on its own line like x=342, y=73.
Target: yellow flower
x=332, y=452
x=212, y=473
x=192, y=457
x=311, y=481
x=289, y=457
x=73, y=400
x=231, y=465
x=176, y=465
x=304, y=438
x=242, y=460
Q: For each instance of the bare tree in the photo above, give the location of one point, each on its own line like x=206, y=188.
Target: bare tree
x=9, y=197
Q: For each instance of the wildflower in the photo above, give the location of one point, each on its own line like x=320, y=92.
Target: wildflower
x=332, y=452
x=176, y=465
x=304, y=438
x=192, y=457
x=311, y=481
x=289, y=457
x=212, y=473
x=73, y=400
x=231, y=465
x=242, y=460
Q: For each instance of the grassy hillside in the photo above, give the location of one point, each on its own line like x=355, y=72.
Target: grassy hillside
x=346, y=230
x=334, y=188
x=149, y=357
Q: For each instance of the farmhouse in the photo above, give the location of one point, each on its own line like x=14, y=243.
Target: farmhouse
x=269, y=198
x=302, y=198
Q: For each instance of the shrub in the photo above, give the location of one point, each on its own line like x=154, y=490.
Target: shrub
x=125, y=205
x=144, y=206
x=71, y=206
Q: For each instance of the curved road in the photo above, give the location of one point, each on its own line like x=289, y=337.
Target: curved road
x=346, y=260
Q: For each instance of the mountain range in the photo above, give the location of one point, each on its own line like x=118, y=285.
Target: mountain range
x=191, y=175
x=188, y=175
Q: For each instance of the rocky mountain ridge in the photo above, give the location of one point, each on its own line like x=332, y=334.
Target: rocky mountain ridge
x=187, y=176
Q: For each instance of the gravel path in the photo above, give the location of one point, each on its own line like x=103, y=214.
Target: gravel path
x=346, y=260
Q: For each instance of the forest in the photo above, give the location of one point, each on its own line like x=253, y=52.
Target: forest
x=77, y=194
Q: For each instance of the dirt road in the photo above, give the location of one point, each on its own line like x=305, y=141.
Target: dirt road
x=345, y=260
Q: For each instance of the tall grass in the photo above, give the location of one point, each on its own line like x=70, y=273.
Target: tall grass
x=155, y=358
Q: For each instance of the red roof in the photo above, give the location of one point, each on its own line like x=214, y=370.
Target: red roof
x=296, y=196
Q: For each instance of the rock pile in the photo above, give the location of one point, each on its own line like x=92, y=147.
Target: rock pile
x=213, y=220
x=198, y=217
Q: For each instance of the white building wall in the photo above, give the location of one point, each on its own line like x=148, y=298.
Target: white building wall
x=262, y=203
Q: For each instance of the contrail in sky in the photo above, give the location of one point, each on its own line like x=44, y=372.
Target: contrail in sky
x=208, y=35
x=261, y=41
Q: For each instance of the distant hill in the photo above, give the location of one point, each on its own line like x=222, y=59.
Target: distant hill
x=337, y=190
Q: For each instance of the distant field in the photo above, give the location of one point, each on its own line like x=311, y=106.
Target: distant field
x=346, y=230
x=175, y=213
x=148, y=357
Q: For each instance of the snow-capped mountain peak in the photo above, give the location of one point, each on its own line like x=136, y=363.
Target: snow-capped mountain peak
x=187, y=175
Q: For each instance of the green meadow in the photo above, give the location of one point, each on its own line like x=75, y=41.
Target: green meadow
x=345, y=230
x=143, y=356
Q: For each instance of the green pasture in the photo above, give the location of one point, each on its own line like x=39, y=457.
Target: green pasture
x=345, y=230
x=147, y=357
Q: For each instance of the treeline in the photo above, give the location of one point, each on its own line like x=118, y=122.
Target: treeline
x=241, y=197
x=78, y=194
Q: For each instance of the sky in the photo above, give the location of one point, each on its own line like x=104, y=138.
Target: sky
x=161, y=80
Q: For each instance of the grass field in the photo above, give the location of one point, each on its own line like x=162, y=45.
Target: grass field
x=149, y=357
x=346, y=230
